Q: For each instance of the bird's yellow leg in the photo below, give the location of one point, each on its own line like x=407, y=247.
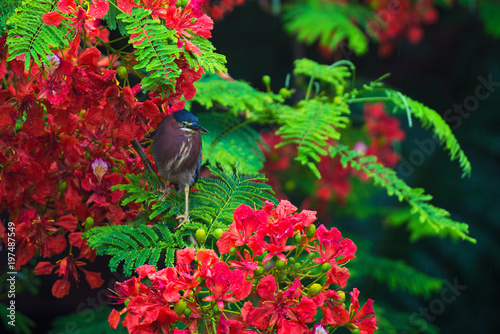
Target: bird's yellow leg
x=185, y=216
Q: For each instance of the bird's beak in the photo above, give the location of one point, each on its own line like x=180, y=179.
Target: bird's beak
x=198, y=128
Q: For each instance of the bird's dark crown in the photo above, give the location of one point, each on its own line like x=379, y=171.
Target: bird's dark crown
x=185, y=116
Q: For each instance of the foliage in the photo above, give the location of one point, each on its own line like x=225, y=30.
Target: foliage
x=155, y=50
x=329, y=23
x=434, y=219
x=231, y=140
x=30, y=36
x=133, y=245
x=212, y=209
x=431, y=118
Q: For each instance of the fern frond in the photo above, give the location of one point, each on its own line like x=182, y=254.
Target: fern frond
x=218, y=197
x=132, y=245
x=430, y=217
x=311, y=126
x=329, y=23
x=30, y=36
x=336, y=75
x=155, y=49
x=235, y=96
x=431, y=118
x=112, y=20
x=229, y=141
x=209, y=60
x=396, y=274
x=6, y=10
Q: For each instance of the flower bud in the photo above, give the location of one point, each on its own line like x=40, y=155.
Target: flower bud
x=341, y=296
x=314, y=290
x=282, y=277
x=266, y=79
x=122, y=71
x=291, y=260
x=297, y=238
x=179, y=307
x=218, y=233
x=285, y=92
x=355, y=331
x=200, y=235
x=62, y=186
x=259, y=271
x=89, y=222
x=312, y=255
x=297, y=266
x=187, y=312
x=280, y=265
x=310, y=230
x=325, y=267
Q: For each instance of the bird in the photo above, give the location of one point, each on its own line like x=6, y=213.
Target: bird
x=177, y=153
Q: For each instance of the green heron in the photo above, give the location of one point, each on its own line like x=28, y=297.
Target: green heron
x=177, y=152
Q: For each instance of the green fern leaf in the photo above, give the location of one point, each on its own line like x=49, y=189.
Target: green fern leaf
x=155, y=49
x=231, y=141
x=432, y=220
x=431, y=118
x=235, y=96
x=132, y=245
x=218, y=197
x=209, y=60
x=336, y=75
x=329, y=23
x=397, y=275
x=311, y=126
x=30, y=36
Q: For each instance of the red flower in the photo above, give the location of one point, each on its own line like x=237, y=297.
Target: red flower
x=332, y=248
x=67, y=268
x=35, y=233
x=281, y=309
x=227, y=285
x=246, y=222
x=188, y=21
x=364, y=318
x=80, y=17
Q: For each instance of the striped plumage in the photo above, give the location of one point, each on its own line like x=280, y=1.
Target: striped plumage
x=177, y=149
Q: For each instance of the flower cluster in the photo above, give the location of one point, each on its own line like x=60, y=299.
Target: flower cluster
x=274, y=270
x=401, y=19
x=65, y=132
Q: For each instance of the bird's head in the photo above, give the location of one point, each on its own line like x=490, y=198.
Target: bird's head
x=188, y=122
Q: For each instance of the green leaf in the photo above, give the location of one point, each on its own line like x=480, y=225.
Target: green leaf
x=155, y=49
x=30, y=36
x=328, y=23
x=311, y=126
x=431, y=119
x=231, y=140
x=432, y=220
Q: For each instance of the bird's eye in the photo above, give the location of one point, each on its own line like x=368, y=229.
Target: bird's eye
x=185, y=123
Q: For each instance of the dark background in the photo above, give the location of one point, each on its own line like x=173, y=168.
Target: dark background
x=440, y=71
